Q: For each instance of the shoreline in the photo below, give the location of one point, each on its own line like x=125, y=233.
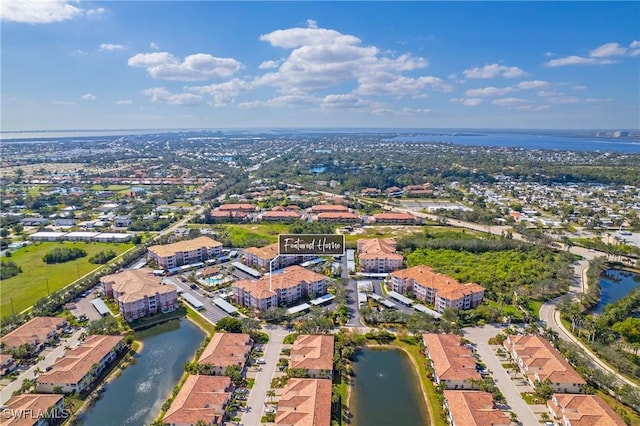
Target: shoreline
x=416, y=371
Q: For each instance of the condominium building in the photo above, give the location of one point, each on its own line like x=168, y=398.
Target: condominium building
x=540, y=361
x=453, y=363
x=441, y=290
x=185, y=252
x=314, y=354
x=80, y=366
x=305, y=402
x=283, y=288
x=392, y=217
x=265, y=258
x=33, y=409
x=201, y=398
x=224, y=350
x=34, y=333
x=582, y=410
x=139, y=293
x=473, y=408
x=336, y=217
x=379, y=255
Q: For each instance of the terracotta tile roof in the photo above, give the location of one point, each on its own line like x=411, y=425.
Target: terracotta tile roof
x=184, y=246
x=291, y=276
x=237, y=207
x=451, y=360
x=543, y=359
x=285, y=214
x=584, y=410
x=447, y=287
x=474, y=408
x=77, y=362
x=337, y=215
x=305, y=402
x=328, y=208
x=267, y=252
x=313, y=352
x=200, y=398
x=378, y=248
x=226, y=349
x=30, y=404
x=35, y=329
x=135, y=284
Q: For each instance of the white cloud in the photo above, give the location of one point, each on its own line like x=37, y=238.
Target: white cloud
x=532, y=107
x=509, y=101
x=467, y=101
x=160, y=94
x=608, y=49
x=222, y=93
x=64, y=103
x=89, y=97
x=634, y=44
x=323, y=58
x=576, y=60
x=111, y=47
x=489, y=91
x=154, y=46
x=268, y=64
x=346, y=101
x=494, y=70
x=563, y=100
x=597, y=100
x=124, y=102
x=532, y=84
x=201, y=66
x=547, y=93
x=42, y=12
x=283, y=101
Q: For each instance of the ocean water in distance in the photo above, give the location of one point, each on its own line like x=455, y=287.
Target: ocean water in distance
x=528, y=141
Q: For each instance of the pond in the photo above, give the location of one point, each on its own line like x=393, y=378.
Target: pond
x=386, y=390
x=614, y=285
x=135, y=398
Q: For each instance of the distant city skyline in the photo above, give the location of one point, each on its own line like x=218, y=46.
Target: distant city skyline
x=205, y=64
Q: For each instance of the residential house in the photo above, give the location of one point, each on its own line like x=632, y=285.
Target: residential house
x=305, y=402
x=370, y=192
x=201, y=398
x=79, y=366
x=540, y=361
x=379, y=255
x=453, y=363
x=224, y=350
x=582, y=410
x=473, y=408
x=423, y=190
x=393, y=191
x=7, y=364
x=283, y=288
x=122, y=221
x=441, y=290
x=139, y=293
x=185, y=252
x=32, y=409
x=64, y=223
x=35, y=333
x=313, y=353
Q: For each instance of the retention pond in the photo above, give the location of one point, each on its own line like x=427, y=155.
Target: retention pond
x=386, y=390
x=135, y=398
x=614, y=285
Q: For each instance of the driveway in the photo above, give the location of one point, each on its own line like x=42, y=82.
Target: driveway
x=258, y=396
x=50, y=356
x=480, y=336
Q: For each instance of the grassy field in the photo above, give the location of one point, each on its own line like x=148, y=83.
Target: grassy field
x=30, y=285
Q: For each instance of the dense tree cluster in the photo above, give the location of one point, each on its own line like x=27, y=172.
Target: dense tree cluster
x=8, y=269
x=64, y=254
x=102, y=257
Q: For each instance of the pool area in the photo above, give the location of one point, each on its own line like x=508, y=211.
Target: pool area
x=214, y=280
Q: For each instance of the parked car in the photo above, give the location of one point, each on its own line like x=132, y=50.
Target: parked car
x=261, y=361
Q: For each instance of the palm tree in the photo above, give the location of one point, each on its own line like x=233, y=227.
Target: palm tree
x=271, y=394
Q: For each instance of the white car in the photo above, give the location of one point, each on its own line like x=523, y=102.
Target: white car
x=270, y=410
x=261, y=361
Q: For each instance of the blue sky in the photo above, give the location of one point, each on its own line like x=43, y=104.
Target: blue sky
x=204, y=64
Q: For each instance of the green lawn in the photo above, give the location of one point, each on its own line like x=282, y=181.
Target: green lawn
x=27, y=287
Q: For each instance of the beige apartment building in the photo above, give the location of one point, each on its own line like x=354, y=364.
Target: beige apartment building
x=313, y=353
x=139, y=293
x=305, y=402
x=201, y=398
x=453, y=363
x=379, y=255
x=224, y=350
x=184, y=252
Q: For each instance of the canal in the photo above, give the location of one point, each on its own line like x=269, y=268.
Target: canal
x=614, y=285
x=386, y=390
x=135, y=398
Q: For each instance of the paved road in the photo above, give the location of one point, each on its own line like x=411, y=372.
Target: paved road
x=210, y=311
x=258, y=395
x=48, y=360
x=480, y=336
